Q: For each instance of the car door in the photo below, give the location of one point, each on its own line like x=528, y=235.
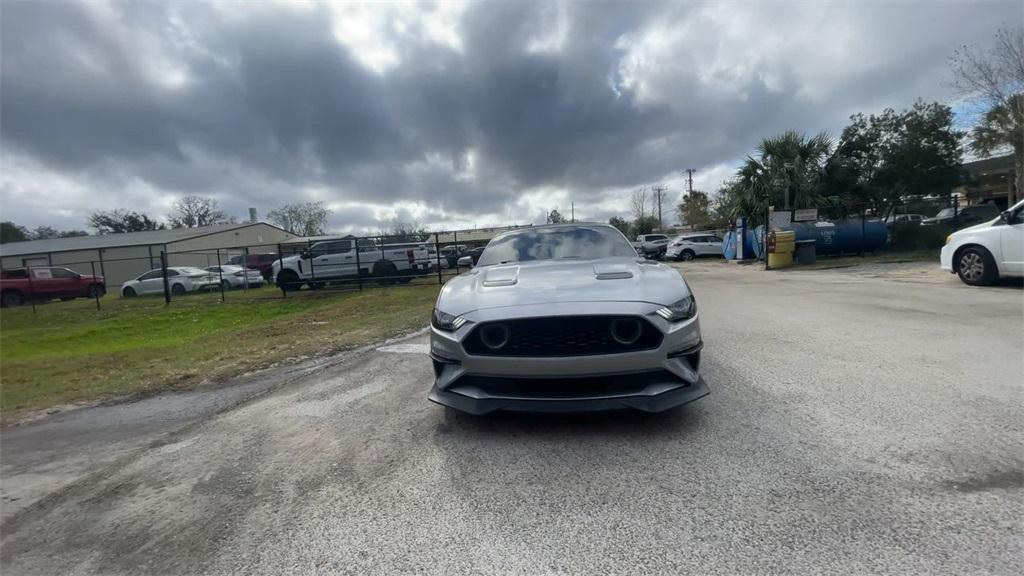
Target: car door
x=44, y=285
x=151, y=282
x=714, y=246
x=1011, y=241
x=66, y=283
x=321, y=263
x=344, y=259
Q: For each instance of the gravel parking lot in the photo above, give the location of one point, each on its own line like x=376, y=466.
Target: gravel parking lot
x=860, y=421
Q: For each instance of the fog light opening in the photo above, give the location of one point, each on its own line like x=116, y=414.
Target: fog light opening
x=625, y=331
x=494, y=336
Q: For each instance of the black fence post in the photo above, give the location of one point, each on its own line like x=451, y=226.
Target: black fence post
x=103, y=271
x=437, y=254
x=245, y=268
x=163, y=271
x=96, y=293
x=455, y=249
x=312, y=264
x=220, y=276
x=31, y=290
x=277, y=279
x=359, y=266
x=862, y=225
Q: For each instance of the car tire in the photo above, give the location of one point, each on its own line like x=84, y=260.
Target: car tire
x=95, y=291
x=128, y=292
x=384, y=270
x=178, y=290
x=288, y=280
x=67, y=298
x=11, y=298
x=687, y=255
x=975, y=266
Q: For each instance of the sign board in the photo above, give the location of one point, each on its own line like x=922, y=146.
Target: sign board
x=780, y=219
x=806, y=215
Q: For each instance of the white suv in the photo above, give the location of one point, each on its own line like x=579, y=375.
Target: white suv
x=689, y=246
x=981, y=253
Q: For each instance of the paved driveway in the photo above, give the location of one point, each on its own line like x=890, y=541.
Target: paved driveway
x=858, y=423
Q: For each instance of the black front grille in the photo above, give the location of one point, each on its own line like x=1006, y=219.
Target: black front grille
x=566, y=387
x=562, y=336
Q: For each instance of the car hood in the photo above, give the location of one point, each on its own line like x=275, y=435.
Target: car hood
x=970, y=229
x=552, y=281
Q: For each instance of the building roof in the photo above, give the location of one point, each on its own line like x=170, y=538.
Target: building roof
x=147, y=238
x=994, y=165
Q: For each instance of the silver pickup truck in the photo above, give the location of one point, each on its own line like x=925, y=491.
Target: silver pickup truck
x=337, y=260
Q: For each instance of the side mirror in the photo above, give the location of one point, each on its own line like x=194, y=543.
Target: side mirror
x=1005, y=216
x=305, y=254
x=466, y=261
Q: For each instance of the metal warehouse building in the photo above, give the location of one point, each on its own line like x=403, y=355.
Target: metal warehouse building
x=121, y=257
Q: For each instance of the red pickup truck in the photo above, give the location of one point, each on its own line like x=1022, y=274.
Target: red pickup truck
x=46, y=283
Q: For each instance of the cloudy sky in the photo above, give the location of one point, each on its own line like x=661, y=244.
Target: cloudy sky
x=447, y=114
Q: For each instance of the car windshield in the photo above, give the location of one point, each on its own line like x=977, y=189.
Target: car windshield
x=945, y=213
x=561, y=242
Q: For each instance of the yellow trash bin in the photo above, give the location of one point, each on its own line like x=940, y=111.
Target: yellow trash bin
x=781, y=246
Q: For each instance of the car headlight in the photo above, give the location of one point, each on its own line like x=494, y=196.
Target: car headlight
x=682, y=310
x=948, y=238
x=445, y=321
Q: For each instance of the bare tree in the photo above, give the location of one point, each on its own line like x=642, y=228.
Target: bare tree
x=639, y=200
x=401, y=231
x=994, y=78
x=195, y=211
x=119, y=221
x=301, y=219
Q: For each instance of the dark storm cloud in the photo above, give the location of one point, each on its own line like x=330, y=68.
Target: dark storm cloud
x=134, y=103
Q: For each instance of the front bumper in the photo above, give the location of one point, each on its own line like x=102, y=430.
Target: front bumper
x=648, y=380
x=946, y=257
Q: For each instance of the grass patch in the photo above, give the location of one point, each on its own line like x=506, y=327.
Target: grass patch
x=826, y=262
x=69, y=352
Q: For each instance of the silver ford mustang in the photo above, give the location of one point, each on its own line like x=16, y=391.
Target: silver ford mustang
x=565, y=318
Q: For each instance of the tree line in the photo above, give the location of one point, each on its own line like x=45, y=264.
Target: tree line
x=879, y=161
x=301, y=219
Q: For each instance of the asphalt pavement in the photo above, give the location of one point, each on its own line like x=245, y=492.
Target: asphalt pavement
x=860, y=421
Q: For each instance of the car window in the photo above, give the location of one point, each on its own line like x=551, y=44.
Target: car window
x=63, y=273
x=150, y=275
x=42, y=273
x=561, y=242
x=172, y=273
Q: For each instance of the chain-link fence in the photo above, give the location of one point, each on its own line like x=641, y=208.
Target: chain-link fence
x=328, y=263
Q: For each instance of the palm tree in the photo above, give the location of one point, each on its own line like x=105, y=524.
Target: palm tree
x=788, y=172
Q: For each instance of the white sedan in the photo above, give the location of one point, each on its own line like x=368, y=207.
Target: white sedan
x=690, y=246
x=236, y=276
x=984, y=252
x=180, y=280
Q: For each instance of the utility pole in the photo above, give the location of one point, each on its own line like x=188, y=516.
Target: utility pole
x=572, y=208
x=659, y=191
x=689, y=179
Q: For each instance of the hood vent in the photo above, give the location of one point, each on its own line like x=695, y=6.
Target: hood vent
x=501, y=276
x=612, y=272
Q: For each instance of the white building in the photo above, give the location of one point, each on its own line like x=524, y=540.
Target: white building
x=121, y=257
